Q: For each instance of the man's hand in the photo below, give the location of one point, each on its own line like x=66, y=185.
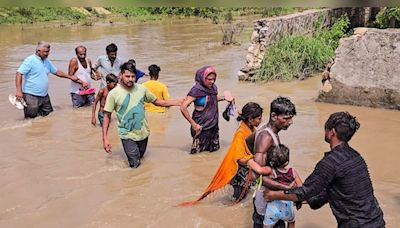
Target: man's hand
x=19, y=96
x=85, y=85
x=94, y=121
x=269, y=195
x=106, y=145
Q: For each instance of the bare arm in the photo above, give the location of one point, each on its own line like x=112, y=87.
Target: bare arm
x=185, y=112
x=98, y=98
x=264, y=141
x=18, y=85
x=297, y=179
x=263, y=170
x=274, y=195
x=250, y=142
x=73, y=78
x=73, y=66
x=167, y=103
x=93, y=74
x=106, y=124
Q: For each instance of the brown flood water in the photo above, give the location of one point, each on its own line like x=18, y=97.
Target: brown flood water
x=54, y=172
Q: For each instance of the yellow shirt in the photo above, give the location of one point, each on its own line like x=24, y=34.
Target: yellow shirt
x=160, y=90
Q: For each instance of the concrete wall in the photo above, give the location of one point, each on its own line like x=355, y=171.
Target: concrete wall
x=269, y=30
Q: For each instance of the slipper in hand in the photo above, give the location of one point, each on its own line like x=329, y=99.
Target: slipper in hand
x=87, y=91
x=18, y=104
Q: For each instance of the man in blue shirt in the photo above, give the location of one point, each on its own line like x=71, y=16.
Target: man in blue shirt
x=32, y=81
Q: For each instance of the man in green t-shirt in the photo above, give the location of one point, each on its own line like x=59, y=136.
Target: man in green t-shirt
x=127, y=100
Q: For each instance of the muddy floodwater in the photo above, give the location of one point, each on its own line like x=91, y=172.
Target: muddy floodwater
x=55, y=173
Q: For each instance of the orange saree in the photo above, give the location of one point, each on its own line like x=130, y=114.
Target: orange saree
x=229, y=166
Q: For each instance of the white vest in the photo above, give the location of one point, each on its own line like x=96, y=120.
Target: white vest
x=83, y=74
x=259, y=202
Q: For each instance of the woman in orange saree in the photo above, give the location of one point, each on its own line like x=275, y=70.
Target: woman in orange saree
x=234, y=167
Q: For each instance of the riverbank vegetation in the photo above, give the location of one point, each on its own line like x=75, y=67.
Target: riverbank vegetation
x=14, y=15
x=388, y=17
x=298, y=56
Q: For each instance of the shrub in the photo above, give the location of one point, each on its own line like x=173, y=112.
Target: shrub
x=388, y=18
x=297, y=56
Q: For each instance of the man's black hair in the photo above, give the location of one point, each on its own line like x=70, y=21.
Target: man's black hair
x=344, y=124
x=111, y=48
x=250, y=110
x=129, y=67
x=283, y=105
x=154, y=70
x=111, y=78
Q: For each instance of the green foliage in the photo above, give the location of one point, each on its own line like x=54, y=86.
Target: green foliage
x=299, y=55
x=216, y=14
x=278, y=11
x=32, y=14
x=388, y=17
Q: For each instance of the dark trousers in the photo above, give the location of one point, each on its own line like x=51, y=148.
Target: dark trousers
x=82, y=100
x=37, y=105
x=134, y=150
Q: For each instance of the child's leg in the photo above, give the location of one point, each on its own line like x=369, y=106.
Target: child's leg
x=290, y=225
x=265, y=226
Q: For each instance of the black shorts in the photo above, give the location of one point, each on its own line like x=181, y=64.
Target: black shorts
x=37, y=105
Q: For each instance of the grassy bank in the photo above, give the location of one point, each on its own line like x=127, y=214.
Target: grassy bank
x=30, y=15
x=298, y=56
x=14, y=15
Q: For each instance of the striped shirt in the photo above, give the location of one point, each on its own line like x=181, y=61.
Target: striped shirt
x=342, y=179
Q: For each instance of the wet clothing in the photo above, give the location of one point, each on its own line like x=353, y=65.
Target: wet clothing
x=240, y=183
x=229, y=165
x=82, y=100
x=285, y=177
x=37, y=105
x=35, y=73
x=260, y=203
x=134, y=150
x=342, y=179
x=160, y=90
x=84, y=74
x=129, y=106
x=35, y=85
x=208, y=139
x=200, y=101
x=279, y=210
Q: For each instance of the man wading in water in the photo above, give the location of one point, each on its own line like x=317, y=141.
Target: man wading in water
x=281, y=116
